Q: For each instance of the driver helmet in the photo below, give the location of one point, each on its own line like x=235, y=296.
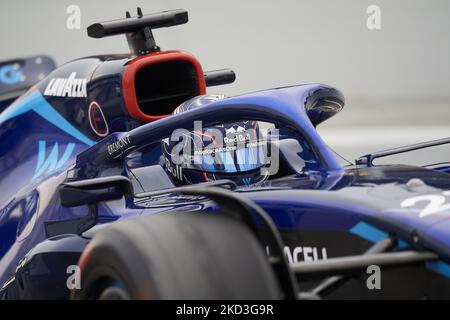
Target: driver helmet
x=233, y=151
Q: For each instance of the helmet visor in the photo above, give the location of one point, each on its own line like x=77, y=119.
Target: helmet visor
x=231, y=159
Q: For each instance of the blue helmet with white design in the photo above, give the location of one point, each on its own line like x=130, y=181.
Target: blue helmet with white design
x=232, y=151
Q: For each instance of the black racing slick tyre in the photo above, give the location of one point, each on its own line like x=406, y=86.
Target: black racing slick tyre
x=176, y=256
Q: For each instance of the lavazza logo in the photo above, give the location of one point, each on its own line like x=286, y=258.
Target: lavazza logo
x=71, y=87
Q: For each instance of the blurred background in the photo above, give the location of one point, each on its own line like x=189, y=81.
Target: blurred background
x=396, y=80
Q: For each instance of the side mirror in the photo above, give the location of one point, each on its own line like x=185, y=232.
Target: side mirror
x=87, y=192
x=219, y=77
x=95, y=190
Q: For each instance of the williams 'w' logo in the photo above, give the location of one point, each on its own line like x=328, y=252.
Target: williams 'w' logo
x=51, y=162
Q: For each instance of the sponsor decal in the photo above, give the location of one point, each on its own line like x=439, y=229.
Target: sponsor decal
x=299, y=254
x=175, y=170
x=71, y=87
x=97, y=120
x=118, y=145
x=51, y=162
x=237, y=138
x=234, y=129
x=237, y=134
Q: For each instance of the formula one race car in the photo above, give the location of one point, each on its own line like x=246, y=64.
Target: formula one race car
x=120, y=178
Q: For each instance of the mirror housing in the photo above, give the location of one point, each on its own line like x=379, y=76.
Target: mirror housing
x=219, y=77
x=91, y=191
x=87, y=192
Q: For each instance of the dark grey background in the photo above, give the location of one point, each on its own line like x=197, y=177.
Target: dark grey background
x=396, y=79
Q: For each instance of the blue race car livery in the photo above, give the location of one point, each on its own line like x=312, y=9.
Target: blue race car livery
x=97, y=200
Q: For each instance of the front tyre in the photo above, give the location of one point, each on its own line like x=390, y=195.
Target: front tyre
x=192, y=255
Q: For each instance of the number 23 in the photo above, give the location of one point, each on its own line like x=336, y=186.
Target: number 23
x=436, y=203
